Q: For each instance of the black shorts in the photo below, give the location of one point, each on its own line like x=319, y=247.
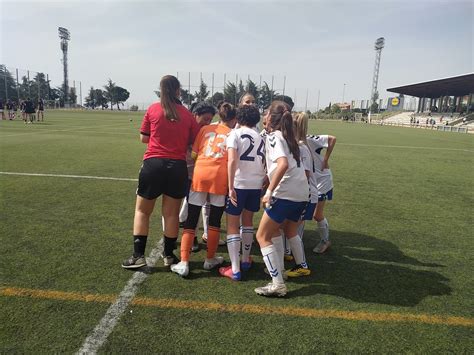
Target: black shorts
x=162, y=176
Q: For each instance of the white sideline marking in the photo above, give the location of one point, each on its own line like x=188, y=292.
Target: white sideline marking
x=68, y=176
x=103, y=329
x=406, y=147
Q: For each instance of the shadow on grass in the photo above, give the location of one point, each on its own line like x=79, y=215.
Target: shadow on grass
x=369, y=270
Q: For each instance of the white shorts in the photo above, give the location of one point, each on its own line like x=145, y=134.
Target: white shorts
x=201, y=198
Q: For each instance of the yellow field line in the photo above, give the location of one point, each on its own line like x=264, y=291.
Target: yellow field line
x=243, y=308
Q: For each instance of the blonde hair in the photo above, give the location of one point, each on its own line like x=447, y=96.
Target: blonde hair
x=300, y=120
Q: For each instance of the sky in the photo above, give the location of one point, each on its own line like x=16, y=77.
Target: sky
x=309, y=47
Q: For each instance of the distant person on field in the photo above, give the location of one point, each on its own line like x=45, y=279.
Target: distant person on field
x=167, y=128
x=40, y=111
x=2, y=109
x=9, y=105
x=29, y=110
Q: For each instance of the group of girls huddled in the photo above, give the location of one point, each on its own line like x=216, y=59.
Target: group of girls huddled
x=231, y=167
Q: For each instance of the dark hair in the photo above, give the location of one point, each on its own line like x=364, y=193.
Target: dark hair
x=204, y=107
x=286, y=99
x=219, y=104
x=248, y=116
x=169, y=86
x=227, y=112
x=281, y=119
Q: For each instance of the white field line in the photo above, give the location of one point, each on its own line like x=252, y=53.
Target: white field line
x=68, y=176
x=106, y=325
x=58, y=130
x=406, y=147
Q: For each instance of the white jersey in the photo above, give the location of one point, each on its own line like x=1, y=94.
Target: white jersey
x=250, y=148
x=294, y=184
x=324, y=177
x=308, y=164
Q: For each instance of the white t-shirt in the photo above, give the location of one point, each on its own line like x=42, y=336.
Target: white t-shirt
x=308, y=164
x=294, y=184
x=250, y=147
x=324, y=177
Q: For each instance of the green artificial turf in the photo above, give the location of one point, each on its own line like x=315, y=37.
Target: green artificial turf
x=401, y=227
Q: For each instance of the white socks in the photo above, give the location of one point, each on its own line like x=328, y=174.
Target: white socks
x=271, y=259
x=247, y=240
x=280, y=250
x=298, y=251
x=301, y=229
x=233, y=246
x=323, y=227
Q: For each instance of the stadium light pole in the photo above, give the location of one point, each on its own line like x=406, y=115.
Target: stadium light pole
x=343, y=92
x=379, y=44
x=65, y=36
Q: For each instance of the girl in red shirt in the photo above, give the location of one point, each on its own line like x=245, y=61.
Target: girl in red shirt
x=167, y=128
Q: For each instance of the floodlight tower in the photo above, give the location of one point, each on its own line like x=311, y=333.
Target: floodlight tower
x=379, y=44
x=65, y=36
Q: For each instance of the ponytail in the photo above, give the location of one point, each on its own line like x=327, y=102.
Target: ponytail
x=281, y=119
x=169, y=86
x=287, y=133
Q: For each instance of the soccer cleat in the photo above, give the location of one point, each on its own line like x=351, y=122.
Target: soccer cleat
x=289, y=257
x=204, y=240
x=210, y=264
x=134, y=262
x=270, y=290
x=284, y=275
x=227, y=272
x=322, y=246
x=170, y=260
x=246, y=265
x=181, y=268
x=298, y=271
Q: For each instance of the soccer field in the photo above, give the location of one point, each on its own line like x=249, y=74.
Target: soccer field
x=396, y=278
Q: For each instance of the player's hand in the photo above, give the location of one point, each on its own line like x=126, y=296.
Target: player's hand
x=266, y=201
x=325, y=164
x=233, y=197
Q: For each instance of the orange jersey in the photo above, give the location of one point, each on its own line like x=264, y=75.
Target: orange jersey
x=210, y=171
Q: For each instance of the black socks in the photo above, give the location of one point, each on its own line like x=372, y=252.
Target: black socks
x=170, y=245
x=139, y=244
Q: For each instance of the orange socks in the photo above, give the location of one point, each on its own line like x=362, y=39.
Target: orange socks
x=186, y=243
x=212, y=241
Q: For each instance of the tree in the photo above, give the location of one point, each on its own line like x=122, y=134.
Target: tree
x=110, y=92
x=96, y=98
x=252, y=88
x=90, y=99
x=202, y=94
x=186, y=96
x=240, y=92
x=10, y=91
x=72, y=96
x=374, y=107
x=266, y=96
x=39, y=87
x=230, y=92
x=335, y=109
x=121, y=95
x=218, y=96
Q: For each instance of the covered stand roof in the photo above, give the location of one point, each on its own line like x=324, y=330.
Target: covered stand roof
x=455, y=86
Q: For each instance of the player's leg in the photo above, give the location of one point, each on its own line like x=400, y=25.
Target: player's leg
x=267, y=229
x=141, y=224
x=216, y=211
x=323, y=227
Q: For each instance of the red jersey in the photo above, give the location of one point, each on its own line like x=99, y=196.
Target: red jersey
x=168, y=139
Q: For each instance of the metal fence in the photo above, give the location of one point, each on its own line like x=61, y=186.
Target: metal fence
x=19, y=84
